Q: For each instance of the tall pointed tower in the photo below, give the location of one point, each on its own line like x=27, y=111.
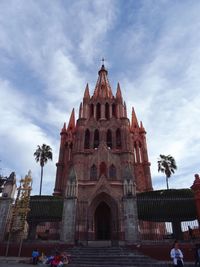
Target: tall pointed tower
x=102, y=163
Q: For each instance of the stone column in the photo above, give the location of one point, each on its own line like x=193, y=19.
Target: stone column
x=68, y=226
x=5, y=206
x=130, y=219
x=196, y=189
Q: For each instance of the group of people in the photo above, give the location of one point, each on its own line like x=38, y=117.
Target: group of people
x=57, y=260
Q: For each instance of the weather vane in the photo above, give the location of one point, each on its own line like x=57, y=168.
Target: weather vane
x=103, y=60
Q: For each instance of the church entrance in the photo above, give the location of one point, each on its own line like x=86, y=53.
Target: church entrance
x=103, y=222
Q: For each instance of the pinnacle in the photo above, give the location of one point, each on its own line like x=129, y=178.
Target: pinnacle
x=64, y=130
x=134, y=121
x=87, y=93
x=118, y=93
x=71, y=125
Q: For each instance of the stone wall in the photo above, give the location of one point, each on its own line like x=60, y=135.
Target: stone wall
x=5, y=206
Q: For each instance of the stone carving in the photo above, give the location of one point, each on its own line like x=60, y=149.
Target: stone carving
x=9, y=186
x=129, y=188
x=72, y=189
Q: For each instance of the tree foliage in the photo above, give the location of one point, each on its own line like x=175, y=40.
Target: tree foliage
x=167, y=165
x=42, y=155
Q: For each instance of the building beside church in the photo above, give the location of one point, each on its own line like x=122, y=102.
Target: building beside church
x=103, y=162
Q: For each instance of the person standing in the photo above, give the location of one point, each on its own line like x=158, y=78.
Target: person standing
x=176, y=255
x=197, y=255
x=190, y=231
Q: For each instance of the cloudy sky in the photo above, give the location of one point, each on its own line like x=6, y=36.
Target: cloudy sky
x=49, y=50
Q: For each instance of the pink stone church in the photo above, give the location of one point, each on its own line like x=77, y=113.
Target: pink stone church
x=103, y=162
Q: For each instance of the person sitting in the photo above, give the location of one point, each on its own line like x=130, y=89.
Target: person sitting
x=35, y=256
x=57, y=261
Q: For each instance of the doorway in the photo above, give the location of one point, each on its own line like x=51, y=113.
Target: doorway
x=102, y=222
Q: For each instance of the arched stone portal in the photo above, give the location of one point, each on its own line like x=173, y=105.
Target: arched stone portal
x=102, y=222
x=103, y=218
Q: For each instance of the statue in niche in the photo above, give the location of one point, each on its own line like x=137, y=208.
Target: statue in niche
x=72, y=189
x=9, y=186
x=129, y=188
x=2, y=182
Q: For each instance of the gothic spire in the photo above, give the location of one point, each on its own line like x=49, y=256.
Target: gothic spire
x=142, y=127
x=71, y=125
x=103, y=88
x=134, y=121
x=80, y=110
x=64, y=130
x=118, y=93
x=87, y=93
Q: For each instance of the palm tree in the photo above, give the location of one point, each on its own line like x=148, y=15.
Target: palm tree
x=167, y=165
x=42, y=155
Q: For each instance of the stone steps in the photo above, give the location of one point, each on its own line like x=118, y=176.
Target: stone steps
x=110, y=257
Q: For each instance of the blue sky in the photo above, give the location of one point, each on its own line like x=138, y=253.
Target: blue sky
x=49, y=50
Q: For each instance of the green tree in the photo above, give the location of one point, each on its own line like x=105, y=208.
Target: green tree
x=42, y=155
x=167, y=165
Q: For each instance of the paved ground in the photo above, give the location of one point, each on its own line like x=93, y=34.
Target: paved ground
x=15, y=264
x=14, y=261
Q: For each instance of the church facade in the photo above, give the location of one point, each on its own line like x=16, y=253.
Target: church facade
x=103, y=162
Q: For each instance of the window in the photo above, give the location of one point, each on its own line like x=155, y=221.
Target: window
x=112, y=172
x=91, y=110
x=103, y=169
x=107, y=112
x=135, y=152
x=140, y=152
x=98, y=112
x=96, y=138
x=87, y=139
x=93, y=172
x=118, y=139
x=109, y=138
x=114, y=110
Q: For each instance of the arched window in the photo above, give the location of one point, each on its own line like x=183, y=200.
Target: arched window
x=93, y=172
x=140, y=152
x=114, y=110
x=135, y=153
x=107, y=111
x=96, y=138
x=91, y=110
x=70, y=151
x=109, y=138
x=118, y=139
x=98, y=112
x=103, y=169
x=87, y=139
x=112, y=172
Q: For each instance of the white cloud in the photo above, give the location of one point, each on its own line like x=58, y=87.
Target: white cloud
x=165, y=91
x=53, y=44
x=20, y=136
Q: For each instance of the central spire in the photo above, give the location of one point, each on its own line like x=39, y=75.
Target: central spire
x=103, y=88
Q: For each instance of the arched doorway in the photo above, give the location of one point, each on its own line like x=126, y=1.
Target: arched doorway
x=103, y=222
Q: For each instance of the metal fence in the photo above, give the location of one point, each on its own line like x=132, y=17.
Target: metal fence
x=160, y=219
